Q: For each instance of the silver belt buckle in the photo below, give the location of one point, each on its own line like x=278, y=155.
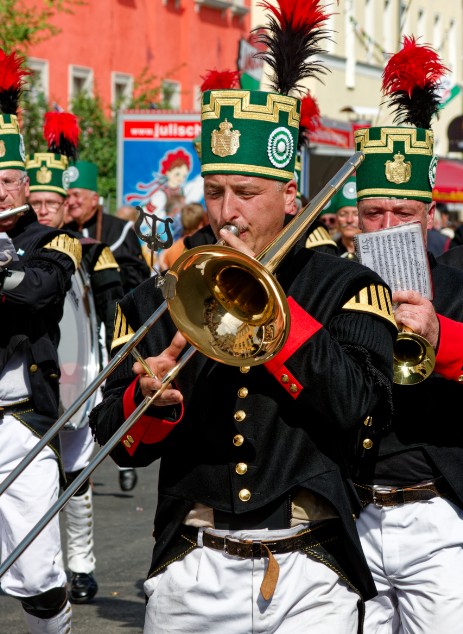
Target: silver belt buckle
x=379, y=489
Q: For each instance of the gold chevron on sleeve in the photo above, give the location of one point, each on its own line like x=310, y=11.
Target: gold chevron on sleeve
x=122, y=330
x=106, y=261
x=374, y=299
x=68, y=245
x=319, y=237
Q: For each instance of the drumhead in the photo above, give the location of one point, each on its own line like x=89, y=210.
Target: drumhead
x=78, y=350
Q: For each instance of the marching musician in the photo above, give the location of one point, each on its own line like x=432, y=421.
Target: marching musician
x=32, y=292
x=253, y=527
x=409, y=476
x=48, y=184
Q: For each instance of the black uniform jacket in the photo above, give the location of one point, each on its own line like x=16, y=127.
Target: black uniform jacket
x=424, y=414
x=30, y=312
x=123, y=242
x=294, y=416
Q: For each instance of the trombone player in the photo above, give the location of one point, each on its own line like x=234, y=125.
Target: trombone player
x=410, y=475
x=254, y=528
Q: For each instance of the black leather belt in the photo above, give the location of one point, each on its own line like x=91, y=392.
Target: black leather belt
x=392, y=496
x=316, y=535
x=14, y=407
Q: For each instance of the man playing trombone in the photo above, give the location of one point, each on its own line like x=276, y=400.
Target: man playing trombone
x=254, y=528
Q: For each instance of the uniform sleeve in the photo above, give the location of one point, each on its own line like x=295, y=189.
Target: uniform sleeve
x=449, y=358
x=45, y=275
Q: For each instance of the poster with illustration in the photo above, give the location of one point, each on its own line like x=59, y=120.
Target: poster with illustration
x=158, y=163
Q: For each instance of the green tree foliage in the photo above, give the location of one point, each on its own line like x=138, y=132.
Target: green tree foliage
x=25, y=23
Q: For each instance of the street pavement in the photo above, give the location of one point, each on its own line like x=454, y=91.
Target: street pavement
x=123, y=546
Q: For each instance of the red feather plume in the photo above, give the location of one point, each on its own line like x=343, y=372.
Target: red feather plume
x=412, y=79
x=220, y=80
x=310, y=113
x=11, y=81
x=61, y=132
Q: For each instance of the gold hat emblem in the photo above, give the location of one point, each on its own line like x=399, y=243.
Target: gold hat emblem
x=2, y=149
x=398, y=171
x=225, y=142
x=44, y=175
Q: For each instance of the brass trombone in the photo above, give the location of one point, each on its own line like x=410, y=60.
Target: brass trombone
x=247, y=323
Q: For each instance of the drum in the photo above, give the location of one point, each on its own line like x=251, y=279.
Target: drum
x=79, y=349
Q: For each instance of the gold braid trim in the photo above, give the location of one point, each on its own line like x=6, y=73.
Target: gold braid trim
x=374, y=299
x=122, y=330
x=106, y=261
x=69, y=246
x=319, y=237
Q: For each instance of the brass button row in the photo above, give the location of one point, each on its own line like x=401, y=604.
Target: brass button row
x=285, y=379
x=240, y=415
x=128, y=440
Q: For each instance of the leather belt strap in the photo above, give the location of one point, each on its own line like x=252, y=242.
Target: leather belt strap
x=393, y=496
x=250, y=549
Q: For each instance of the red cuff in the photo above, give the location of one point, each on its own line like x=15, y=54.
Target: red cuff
x=449, y=358
x=147, y=429
x=303, y=327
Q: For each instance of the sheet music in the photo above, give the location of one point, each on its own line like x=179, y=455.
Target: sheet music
x=398, y=255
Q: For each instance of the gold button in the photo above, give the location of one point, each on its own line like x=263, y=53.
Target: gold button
x=243, y=392
x=244, y=495
x=239, y=416
x=53, y=375
x=238, y=440
x=284, y=378
x=130, y=438
x=293, y=388
x=126, y=443
x=244, y=369
x=33, y=368
x=460, y=378
x=368, y=421
x=241, y=468
x=367, y=443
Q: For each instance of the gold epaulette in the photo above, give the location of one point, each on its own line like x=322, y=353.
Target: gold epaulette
x=68, y=245
x=374, y=299
x=122, y=331
x=106, y=261
x=319, y=237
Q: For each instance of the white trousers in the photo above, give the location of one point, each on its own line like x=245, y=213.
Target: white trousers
x=415, y=552
x=22, y=505
x=76, y=448
x=210, y=591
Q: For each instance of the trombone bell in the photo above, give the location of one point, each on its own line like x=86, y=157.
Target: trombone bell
x=229, y=306
x=414, y=358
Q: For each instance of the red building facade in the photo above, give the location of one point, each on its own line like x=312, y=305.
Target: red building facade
x=105, y=45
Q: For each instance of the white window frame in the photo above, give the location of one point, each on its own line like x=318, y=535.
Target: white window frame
x=121, y=83
x=84, y=74
x=175, y=102
x=41, y=69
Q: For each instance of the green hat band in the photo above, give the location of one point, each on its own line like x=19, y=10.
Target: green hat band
x=249, y=132
x=398, y=163
x=47, y=173
x=345, y=197
x=12, y=152
x=83, y=175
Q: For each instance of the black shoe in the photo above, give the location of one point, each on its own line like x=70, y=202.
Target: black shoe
x=83, y=587
x=128, y=479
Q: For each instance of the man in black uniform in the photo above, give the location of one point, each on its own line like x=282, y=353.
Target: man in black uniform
x=33, y=285
x=254, y=528
x=88, y=218
x=48, y=197
x=410, y=475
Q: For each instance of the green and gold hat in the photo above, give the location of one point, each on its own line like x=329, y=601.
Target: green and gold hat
x=249, y=132
x=345, y=197
x=256, y=132
x=12, y=73
x=399, y=161
x=47, y=171
x=83, y=175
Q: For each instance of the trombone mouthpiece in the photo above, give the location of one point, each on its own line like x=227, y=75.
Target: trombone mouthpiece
x=232, y=229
